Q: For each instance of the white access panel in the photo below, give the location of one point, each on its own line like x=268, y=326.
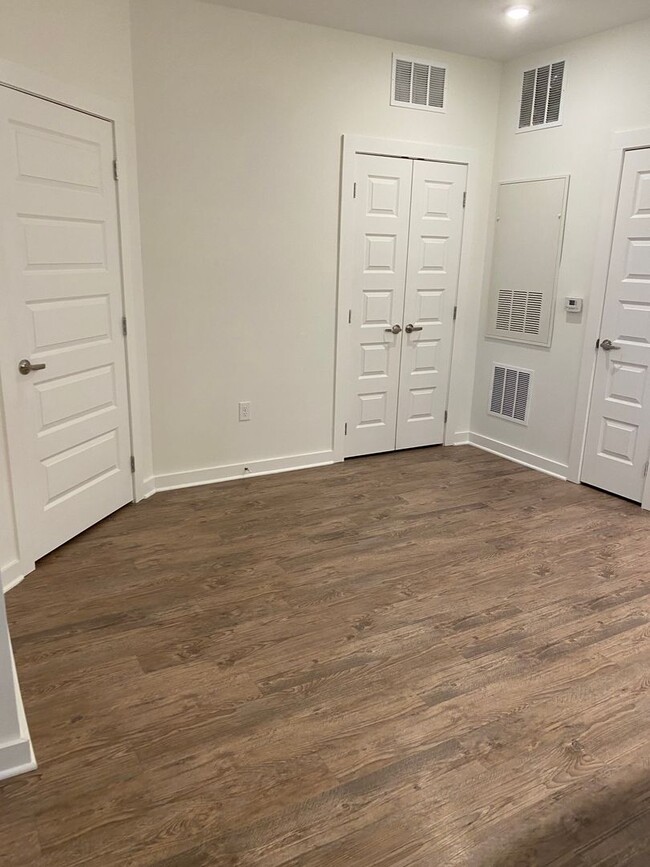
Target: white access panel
x=526, y=260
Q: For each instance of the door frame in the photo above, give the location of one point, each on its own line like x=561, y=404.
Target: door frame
x=121, y=119
x=620, y=144
x=351, y=146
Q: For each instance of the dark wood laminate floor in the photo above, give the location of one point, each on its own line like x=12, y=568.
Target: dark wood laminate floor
x=428, y=658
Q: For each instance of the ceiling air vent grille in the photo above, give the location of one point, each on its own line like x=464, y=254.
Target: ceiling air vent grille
x=510, y=393
x=519, y=312
x=541, y=96
x=418, y=84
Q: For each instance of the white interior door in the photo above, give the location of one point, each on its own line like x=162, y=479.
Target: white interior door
x=67, y=418
x=436, y=229
x=618, y=436
x=383, y=200
x=407, y=244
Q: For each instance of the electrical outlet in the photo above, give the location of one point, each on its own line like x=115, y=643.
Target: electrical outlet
x=245, y=411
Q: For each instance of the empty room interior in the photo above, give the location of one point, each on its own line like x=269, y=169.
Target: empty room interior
x=324, y=433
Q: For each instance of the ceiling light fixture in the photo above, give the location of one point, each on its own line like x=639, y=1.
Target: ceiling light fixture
x=518, y=13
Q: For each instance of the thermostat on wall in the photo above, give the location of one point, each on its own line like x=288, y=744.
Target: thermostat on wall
x=573, y=305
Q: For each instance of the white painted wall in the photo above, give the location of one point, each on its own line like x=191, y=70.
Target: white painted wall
x=85, y=45
x=239, y=122
x=606, y=91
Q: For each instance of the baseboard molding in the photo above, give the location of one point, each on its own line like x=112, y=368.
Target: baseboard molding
x=520, y=456
x=12, y=574
x=148, y=487
x=228, y=472
x=460, y=438
x=17, y=757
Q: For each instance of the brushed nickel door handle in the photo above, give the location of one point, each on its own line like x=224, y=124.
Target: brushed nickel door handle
x=411, y=328
x=25, y=366
x=396, y=329
x=608, y=346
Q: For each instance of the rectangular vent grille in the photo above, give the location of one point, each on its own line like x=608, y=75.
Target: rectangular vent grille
x=519, y=312
x=510, y=395
x=417, y=84
x=541, y=96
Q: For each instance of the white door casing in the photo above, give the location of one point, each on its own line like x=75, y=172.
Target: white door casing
x=68, y=424
x=381, y=238
x=435, y=240
x=618, y=433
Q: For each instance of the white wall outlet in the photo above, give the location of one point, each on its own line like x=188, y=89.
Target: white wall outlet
x=245, y=410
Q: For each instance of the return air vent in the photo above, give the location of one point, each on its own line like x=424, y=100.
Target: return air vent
x=510, y=394
x=541, y=96
x=519, y=312
x=418, y=84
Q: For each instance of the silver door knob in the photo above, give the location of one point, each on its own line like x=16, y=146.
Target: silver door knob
x=25, y=366
x=607, y=345
x=396, y=329
x=411, y=328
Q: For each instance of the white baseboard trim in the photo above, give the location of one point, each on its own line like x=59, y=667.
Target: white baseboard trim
x=520, y=456
x=17, y=757
x=460, y=438
x=13, y=573
x=148, y=488
x=228, y=472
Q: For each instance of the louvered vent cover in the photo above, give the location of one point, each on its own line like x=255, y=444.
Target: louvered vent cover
x=519, y=312
x=541, y=96
x=510, y=395
x=417, y=84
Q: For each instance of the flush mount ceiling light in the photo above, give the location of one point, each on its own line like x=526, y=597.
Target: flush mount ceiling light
x=518, y=13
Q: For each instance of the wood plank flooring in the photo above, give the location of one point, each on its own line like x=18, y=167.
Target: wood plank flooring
x=428, y=658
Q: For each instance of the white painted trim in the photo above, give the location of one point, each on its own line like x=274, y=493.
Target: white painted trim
x=351, y=146
x=45, y=87
x=519, y=456
x=148, y=487
x=460, y=438
x=228, y=472
x=14, y=573
x=17, y=757
x=620, y=143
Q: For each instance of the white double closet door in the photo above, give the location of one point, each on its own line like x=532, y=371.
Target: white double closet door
x=62, y=353
x=617, y=449
x=407, y=244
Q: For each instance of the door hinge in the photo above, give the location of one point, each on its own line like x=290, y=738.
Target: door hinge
x=598, y=343
x=645, y=469
x=346, y=428
x=125, y=329
x=464, y=200
x=455, y=313
x=349, y=317
x=132, y=464
x=116, y=177
x=354, y=191
x=446, y=415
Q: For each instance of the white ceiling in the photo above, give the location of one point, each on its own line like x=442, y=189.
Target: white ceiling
x=476, y=27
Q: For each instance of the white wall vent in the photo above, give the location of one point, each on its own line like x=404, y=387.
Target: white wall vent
x=519, y=312
x=541, y=96
x=418, y=84
x=510, y=393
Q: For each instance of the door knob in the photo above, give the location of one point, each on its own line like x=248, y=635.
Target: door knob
x=25, y=366
x=396, y=329
x=607, y=345
x=411, y=328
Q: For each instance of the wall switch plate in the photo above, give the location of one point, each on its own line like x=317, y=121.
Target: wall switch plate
x=245, y=411
x=573, y=305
